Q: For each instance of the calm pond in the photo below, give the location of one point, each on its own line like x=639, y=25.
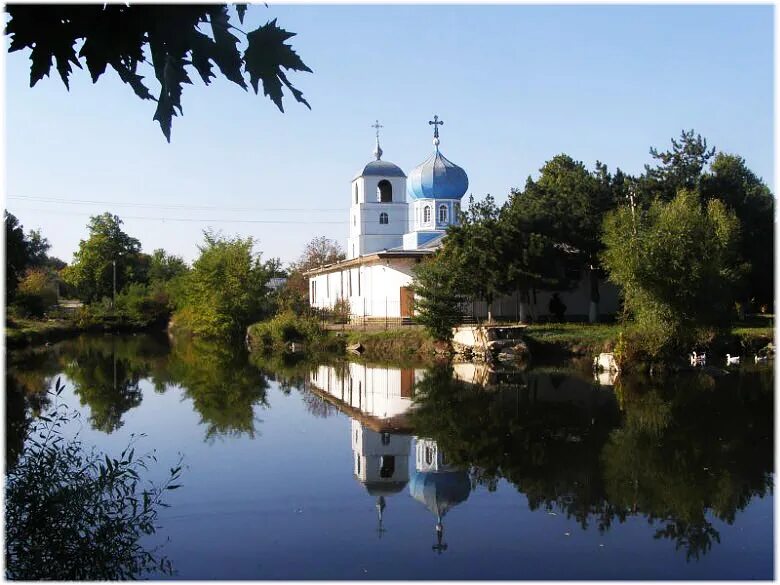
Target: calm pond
x=347, y=470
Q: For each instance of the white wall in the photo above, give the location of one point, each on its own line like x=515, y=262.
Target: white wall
x=379, y=294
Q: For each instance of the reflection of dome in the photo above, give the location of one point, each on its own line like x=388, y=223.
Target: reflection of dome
x=381, y=168
x=438, y=178
x=440, y=491
x=384, y=488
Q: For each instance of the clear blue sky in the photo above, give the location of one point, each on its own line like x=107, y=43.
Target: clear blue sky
x=515, y=85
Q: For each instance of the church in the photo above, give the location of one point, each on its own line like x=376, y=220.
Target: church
x=395, y=221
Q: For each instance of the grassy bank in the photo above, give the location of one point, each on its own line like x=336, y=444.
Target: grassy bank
x=406, y=343
x=22, y=332
x=399, y=344
x=585, y=339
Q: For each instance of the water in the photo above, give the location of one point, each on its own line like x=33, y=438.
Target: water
x=341, y=470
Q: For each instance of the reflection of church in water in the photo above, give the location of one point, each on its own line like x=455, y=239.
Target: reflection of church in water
x=377, y=399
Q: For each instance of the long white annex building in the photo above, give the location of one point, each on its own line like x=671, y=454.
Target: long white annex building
x=395, y=221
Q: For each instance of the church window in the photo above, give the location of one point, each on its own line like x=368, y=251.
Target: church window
x=385, y=438
x=387, y=469
x=383, y=218
x=384, y=191
x=356, y=192
x=327, y=286
x=350, y=272
x=354, y=220
x=428, y=455
x=427, y=214
x=442, y=213
x=358, y=463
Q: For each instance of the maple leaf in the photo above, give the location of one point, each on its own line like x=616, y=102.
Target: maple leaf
x=264, y=58
x=174, y=75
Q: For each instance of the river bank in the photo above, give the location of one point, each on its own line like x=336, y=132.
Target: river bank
x=21, y=332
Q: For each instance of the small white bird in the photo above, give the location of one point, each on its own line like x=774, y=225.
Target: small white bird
x=698, y=359
x=761, y=358
x=731, y=360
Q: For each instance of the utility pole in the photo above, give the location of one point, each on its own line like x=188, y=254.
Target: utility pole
x=113, y=298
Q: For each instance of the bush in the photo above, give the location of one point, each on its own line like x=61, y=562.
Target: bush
x=71, y=514
x=285, y=327
x=36, y=293
x=143, y=305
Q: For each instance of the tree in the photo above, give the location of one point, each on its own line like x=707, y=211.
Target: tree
x=677, y=266
x=38, y=248
x=225, y=290
x=437, y=297
x=169, y=35
x=566, y=207
x=17, y=255
x=164, y=267
x=730, y=181
x=680, y=167
x=475, y=250
x=319, y=251
x=92, y=270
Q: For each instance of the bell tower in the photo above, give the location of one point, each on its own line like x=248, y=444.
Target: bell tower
x=378, y=210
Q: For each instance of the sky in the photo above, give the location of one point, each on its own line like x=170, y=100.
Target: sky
x=514, y=84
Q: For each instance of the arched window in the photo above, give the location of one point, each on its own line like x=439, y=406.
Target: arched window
x=387, y=468
x=356, y=192
x=383, y=218
x=442, y=213
x=428, y=455
x=426, y=214
x=384, y=191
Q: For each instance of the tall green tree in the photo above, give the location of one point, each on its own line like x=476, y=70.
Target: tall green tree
x=565, y=206
x=476, y=251
x=164, y=267
x=226, y=289
x=17, y=254
x=677, y=264
x=92, y=270
x=733, y=183
x=177, y=37
x=438, y=299
x=679, y=167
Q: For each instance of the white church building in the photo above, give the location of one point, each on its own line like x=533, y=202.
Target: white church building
x=395, y=220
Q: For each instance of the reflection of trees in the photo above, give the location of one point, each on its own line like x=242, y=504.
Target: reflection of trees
x=28, y=376
x=686, y=450
x=541, y=432
x=707, y=453
x=223, y=387
x=288, y=370
x=106, y=372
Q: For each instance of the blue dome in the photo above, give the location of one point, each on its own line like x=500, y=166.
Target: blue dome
x=438, y=178
x=440, y=491
x=381, y=168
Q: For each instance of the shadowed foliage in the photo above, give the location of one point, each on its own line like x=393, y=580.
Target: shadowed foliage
x=172, y=38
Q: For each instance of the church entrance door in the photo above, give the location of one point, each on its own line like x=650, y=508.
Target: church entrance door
x=407, y=302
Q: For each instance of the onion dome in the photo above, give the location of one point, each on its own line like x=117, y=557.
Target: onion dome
x=440, y=491
x=437, y=177
x=379, y=167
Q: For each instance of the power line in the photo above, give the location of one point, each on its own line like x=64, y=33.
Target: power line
x=44, y=199
x=188, y=219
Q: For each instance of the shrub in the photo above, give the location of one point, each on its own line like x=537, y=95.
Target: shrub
x=36, y=292
x=285, y=327
x=72, y=514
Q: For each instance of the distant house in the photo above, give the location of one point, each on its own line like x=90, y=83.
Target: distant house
x=396, y=221
x=276, y=283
